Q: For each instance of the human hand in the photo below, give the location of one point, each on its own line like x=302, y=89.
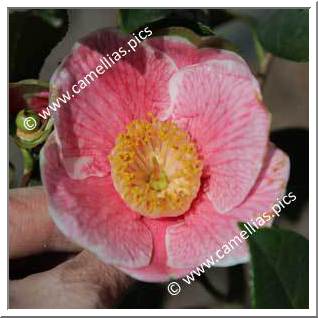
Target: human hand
x=80, y=282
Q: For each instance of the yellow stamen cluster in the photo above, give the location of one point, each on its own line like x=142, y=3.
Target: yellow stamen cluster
x=156, y=168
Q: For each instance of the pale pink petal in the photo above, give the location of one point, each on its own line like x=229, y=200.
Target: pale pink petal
x=229, y=63
x=91, y=213
x=204, y=230
x=88, y=124
x=212, y=55
x=224, y=116
x=158, y=269
x=184, y=53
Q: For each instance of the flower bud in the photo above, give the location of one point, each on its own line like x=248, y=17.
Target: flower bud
x=27, y=121
x=31, y=129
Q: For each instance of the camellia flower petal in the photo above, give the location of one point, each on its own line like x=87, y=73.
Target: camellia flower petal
x=156, y=162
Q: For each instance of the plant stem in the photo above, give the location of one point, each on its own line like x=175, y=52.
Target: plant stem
x=264, y=69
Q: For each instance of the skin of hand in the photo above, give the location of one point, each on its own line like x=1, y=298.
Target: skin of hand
x=80, y=282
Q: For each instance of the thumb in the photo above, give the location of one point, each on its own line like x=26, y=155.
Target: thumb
x=81, y=282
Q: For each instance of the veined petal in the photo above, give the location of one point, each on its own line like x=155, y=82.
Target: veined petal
x=89, y=122
x=184, y=53
x=221, y=110
x=179, y=49
x=204, y=230
x=91, y=213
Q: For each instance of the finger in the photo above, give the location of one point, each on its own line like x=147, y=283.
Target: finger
x=31, y=229
x=81, y=282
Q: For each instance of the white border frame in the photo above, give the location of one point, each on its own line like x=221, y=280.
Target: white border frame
x=161, y=312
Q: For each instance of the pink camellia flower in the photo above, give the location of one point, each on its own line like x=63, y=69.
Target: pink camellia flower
x=153, y=165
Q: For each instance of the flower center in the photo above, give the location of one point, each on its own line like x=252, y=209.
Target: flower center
x=156, y=168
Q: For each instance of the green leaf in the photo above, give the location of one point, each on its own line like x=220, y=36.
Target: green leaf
x=280, y=265
x=180, y=31
x=132, y=19
x=199, y=41
x=32, y=36
x=284, y=33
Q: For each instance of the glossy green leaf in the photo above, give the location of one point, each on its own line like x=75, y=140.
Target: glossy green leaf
x=285, y=33
x=197, y=20
x=199, y=41
x=32, y=36
x=280, y=265
x=132, y=19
